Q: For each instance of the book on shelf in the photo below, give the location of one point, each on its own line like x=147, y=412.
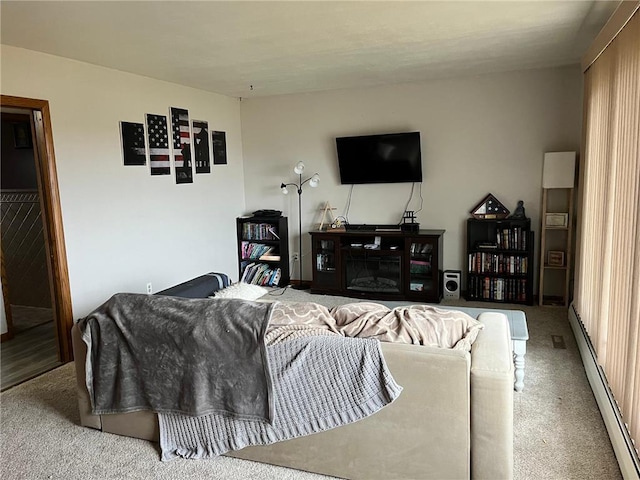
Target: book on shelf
x=273, y=233
x=257, y=273
x=260, y=274
x=270, y=257
x=246, y=268
x=252, y=270
x=275, y=279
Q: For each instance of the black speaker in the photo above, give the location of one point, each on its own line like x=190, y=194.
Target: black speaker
x=452, y=280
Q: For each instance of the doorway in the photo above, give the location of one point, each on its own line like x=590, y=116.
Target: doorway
x=37, y=316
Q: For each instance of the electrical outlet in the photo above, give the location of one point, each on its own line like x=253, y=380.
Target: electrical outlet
x=294, y=255
x=149, y=288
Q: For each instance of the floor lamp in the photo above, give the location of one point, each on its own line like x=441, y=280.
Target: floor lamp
x=313, y=182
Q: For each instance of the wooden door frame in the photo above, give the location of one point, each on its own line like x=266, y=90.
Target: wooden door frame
x=52, y=218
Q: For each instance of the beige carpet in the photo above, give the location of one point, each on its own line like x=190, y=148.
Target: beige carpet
x=559, y=433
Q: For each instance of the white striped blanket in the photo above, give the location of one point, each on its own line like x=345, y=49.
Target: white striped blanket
x=412, y=324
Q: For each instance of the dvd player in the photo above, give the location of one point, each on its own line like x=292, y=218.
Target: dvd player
x=363, y=227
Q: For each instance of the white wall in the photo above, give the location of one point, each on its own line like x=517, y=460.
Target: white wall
x=124, y=228
x=480, y=135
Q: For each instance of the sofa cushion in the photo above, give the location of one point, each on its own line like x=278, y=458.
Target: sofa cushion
x=241, y=291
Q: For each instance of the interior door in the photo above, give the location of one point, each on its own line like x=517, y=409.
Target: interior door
x=56, y=259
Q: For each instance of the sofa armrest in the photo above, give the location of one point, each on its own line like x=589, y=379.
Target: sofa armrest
x=87, y=418
x=199, y=287
x=492, y=400
x=423, y=434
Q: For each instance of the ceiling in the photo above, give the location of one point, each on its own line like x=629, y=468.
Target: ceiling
x=246, y=49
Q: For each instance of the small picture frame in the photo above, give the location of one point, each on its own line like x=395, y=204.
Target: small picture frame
x=555, y=258
x=22, y=135
x=556, y=220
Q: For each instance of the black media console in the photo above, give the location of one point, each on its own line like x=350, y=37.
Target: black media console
x=381, y=262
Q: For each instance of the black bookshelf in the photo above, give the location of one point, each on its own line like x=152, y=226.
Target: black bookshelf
x=500, y=260
x=263, y=250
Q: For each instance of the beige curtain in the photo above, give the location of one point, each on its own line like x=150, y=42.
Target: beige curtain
x=607, y=286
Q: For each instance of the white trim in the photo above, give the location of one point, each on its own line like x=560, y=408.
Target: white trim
x=622, y=446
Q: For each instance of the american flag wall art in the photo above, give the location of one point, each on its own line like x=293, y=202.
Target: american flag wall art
x=181, y=145
x=219, y=140
x=158, y=144
x=201, y=146
x=134, y=151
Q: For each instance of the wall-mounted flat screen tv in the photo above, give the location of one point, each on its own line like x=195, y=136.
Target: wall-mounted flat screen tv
x=388, y=158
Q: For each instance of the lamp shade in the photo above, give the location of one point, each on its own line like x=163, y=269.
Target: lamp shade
x=314, y=181
x=559, y=170
x=299, y=168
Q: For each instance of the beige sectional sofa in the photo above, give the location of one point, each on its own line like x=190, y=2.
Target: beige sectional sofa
x=453, y=420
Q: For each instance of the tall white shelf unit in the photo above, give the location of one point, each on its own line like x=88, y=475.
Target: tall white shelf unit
x=558, y=180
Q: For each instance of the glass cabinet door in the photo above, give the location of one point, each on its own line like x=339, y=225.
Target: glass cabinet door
x=325, y=269
x=421, y=267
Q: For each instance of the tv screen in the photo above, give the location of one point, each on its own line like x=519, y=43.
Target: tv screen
x=388, y=158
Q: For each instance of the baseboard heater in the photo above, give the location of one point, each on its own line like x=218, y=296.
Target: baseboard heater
x=623, y=447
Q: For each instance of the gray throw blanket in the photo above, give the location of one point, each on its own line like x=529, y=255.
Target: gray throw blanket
x=179, y=355
x=319, y=383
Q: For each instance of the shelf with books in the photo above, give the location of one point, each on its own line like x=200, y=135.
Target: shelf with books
x=263, y=251
x=260, y=230
x=497, y=288
x=260, y=274
x=499, y=263
x=500, y=260
x=259, y=251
